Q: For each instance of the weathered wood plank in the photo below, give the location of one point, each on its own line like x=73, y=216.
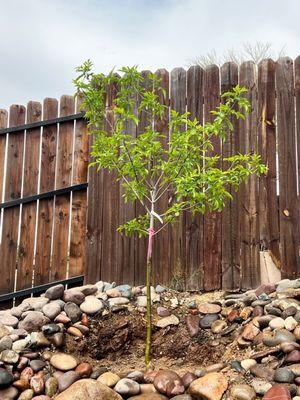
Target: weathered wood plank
x=268, y=204
x=212, y=221
x=79, y=198
x=230, y=214
x=194, y=224
x=161, y=266
x=30, y=187
x=288, y=210
x=10, y=227
x=60, y=252
x=110, y=238
x=249, y=203
x=3, y=124
x=177, y=238
x=47, y=182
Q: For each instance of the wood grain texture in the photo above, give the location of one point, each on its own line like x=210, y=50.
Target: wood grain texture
x=249, y=202
x=47, y=182
x=3, y=124
x=288, y=210
x=60, y=253
x=268, y=204
x=110, y=238
x=161, y=267
x=230, y=214
x=9, y=243
x=212, y=221
x=79, y=198
x=177, y=231
x=30, y=187
x=194, y=224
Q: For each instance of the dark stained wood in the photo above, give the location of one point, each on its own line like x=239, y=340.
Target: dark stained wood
x=110, y=238
x=30, y=187
x=194, y=224
x=3, y=124
x=79, y=198
x=60, y=254
x=94, y=224
x=161, y=267
x=177, y=234
x=268, y=204
x=230, y=214
x=212, y=221
x=10, y=227
x=47, y=182
x=288, y=206
x=249, y=203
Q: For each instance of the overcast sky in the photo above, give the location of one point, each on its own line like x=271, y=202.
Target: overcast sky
x=42, y=41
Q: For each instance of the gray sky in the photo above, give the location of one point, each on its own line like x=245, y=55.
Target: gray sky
x=42, y=41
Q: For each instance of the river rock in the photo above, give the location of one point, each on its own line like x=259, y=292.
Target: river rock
x=208, y=320
x=242, y=392
x=127, y=387
x=9, y=393
x=26, y=395
x=108, y=379
x=51, y=310
x=192, y=323
x=210, y=387
x=9, y=356
x=55, y=292
x=6, y=378
x=284, y=375
x=91, y=305
x=33, y=321
x=168, y=383
x=164, y=322
x=51, y=386
x=277, y=392
x=73, y=312
x=66, y=380
x=63, y=362
x=88, y=389
x=209, y=308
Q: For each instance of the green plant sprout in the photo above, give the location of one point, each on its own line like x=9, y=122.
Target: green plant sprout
x=148, y=169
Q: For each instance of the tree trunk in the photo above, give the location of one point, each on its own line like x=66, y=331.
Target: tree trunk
x=148, y=289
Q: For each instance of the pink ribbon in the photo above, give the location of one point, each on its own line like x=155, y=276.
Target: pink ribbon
x=151, y=234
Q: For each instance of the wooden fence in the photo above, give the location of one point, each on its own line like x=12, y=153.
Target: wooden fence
x=64, y=234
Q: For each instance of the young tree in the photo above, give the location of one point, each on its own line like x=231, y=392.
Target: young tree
x=146, y=168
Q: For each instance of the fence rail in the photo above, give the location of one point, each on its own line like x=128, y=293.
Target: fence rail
x=54, y=225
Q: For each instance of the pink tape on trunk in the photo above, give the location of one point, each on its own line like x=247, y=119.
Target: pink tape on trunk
x=150, y=242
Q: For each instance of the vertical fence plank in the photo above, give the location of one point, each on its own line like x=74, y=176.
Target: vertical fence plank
x=79, y=198
x=194, y=224
x=9, y=244
x=30, y=187
x=161, y=267
x=212, y=221
x=268, y=205
x=110, y=203
x=127, y=212
x=94, y=223
x=230, y=214
x=3, y=124
x=62, y=203
x=288, y=210
x=47, y=182
x=249, y=217
x=177, y=237
x=141, y=243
